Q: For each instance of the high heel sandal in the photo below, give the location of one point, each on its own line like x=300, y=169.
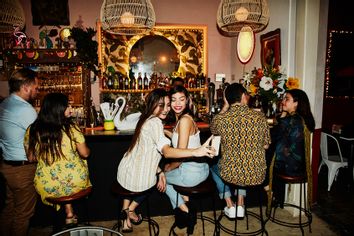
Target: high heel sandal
x=69, y=221
x=124, y=217
x=138, y=221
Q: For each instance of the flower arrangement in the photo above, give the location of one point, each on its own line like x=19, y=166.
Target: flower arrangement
x=269, y=83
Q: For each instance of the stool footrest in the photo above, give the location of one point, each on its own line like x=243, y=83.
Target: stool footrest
x=307, y=222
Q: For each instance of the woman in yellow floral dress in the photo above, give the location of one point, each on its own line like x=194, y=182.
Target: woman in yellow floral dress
x=60, y=149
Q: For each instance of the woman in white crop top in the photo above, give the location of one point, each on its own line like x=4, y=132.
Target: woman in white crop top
x=138, y=170
x=188, y=173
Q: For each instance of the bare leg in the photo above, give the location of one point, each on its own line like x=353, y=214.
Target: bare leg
x=240, y=200
x=69, y=211
x=229, y=202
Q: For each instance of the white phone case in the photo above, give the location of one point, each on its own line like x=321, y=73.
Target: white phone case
x=215, y=143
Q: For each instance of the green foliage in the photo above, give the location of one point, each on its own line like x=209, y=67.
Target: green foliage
x=86, y=47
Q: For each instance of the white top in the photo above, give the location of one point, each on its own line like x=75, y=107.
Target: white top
x=137, y=169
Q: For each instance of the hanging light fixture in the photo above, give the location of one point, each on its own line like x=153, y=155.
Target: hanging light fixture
x=127, y=17
x=11, y=16
x=245, y=44
x=233, y=15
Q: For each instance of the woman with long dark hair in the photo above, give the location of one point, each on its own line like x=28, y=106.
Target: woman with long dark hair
x=138, y=170
x=58, y=145
x=188, y=173
x=288, y=137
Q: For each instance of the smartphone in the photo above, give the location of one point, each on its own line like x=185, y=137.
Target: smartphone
x=215, y=143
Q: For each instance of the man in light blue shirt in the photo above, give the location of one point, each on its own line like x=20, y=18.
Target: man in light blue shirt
x=16, y=114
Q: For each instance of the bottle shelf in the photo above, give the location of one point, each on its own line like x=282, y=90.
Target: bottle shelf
x=145, y=90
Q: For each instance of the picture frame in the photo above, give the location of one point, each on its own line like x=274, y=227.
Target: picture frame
x=190, y=41
x=270, y=49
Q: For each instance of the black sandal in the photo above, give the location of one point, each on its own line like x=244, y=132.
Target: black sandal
x=138, y=221
x=124, y=217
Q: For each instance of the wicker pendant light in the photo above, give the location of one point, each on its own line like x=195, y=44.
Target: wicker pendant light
x=11, y=16
x=233, y=15
x=127, y=17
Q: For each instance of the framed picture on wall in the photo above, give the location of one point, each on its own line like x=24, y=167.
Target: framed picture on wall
x=270, y=49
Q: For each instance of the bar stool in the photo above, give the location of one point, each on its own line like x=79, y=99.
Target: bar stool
x=302, y=180
x=259, y=217
x=122, y=193
x=205, y=189
x=69, y=199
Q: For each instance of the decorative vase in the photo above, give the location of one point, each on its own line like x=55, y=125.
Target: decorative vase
x=108, y=125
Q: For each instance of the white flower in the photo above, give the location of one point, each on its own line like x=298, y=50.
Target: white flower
x=266, y=83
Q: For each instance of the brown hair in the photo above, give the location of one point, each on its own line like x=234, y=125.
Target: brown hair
x=21, y=77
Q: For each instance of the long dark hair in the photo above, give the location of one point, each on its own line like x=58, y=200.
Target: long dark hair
x=303, y=107
x=152, y=101
x=181, y=89
x=45, y=135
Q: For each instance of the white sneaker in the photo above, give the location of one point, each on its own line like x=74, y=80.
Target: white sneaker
x=240, y=211
x=230, y=212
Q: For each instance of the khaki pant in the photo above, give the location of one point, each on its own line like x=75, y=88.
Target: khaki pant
x=21, y=199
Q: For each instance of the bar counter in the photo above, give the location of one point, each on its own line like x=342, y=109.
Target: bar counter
x=107, y=149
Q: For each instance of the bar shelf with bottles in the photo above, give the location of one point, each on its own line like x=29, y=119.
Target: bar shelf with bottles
x=117, y=83
x=59, y=70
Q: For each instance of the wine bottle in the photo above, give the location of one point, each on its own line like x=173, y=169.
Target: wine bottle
x=126, y=83
x=146, y=82
x=121, y=81
x=140, y=81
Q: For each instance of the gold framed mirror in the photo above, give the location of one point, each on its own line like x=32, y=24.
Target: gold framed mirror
x=189, y=40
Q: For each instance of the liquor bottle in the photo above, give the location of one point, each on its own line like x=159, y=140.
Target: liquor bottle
x=191, y=82
x=197, y=81
x=220, y=96
x=132, y=80
x=203, y=102
x=202, y=81
x=115, y=81
x=140, y=81
x=126, y=83
x=110, y=81
x=121, y=81
x=153, y=81
x=93, y=122
x=211, y=95
x=146, y=82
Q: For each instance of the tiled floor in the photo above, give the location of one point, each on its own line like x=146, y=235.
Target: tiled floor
x=337, y=206
x=333, y=213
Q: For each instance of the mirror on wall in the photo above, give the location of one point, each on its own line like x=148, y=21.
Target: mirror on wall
x=169, y=49
x=154, y=53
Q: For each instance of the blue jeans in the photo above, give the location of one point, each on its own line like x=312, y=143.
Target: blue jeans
x=223, y=189
x=188, y=174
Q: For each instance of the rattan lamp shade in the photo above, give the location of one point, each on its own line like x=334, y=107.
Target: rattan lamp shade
x=234, y=14
x=127, y=17
x=11, y=16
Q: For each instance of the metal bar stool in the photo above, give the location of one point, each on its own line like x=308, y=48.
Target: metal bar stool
x=205, y=189
x=259, y=217
x=122, y=193
x=302, y=180
x=68, y=199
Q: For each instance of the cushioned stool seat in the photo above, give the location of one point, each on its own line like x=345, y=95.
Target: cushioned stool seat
x=66, y=200
x=122, y=193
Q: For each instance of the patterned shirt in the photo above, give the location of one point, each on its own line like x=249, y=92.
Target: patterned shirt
x=244, y=133
x=288, y=137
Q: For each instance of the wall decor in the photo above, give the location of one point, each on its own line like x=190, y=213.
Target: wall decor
x=339, y=81
x=270, y=49
x=190, y=41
